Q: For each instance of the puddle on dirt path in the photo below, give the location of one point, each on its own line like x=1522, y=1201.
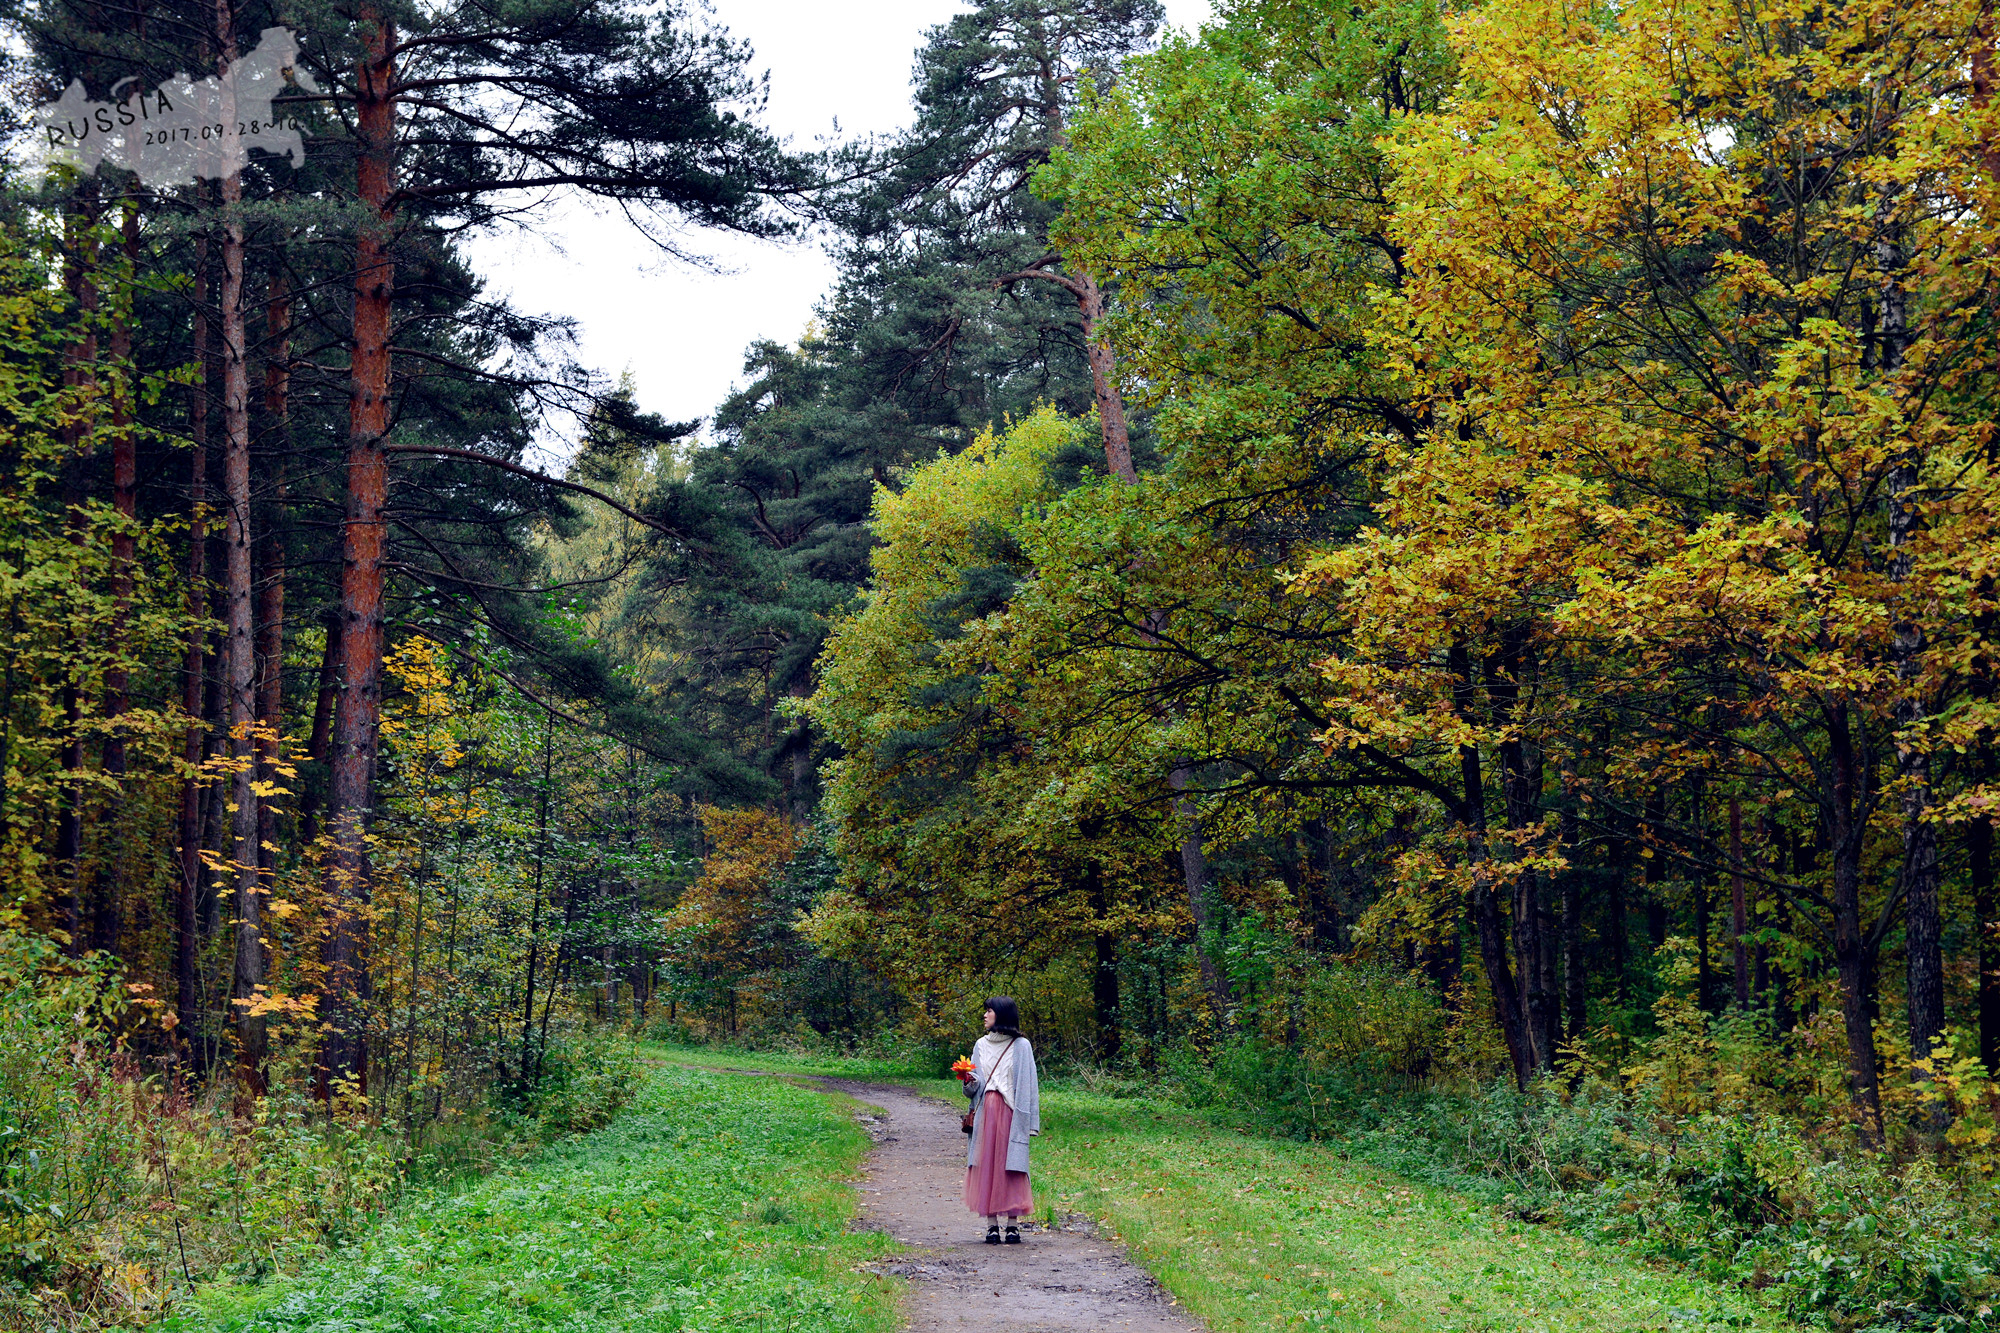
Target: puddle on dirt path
x=1054, y=1280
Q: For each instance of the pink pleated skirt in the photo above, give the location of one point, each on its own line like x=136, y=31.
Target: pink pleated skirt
x=991, y=1190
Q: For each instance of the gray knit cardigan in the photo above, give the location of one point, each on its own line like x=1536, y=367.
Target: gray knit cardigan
x=1027, y=1100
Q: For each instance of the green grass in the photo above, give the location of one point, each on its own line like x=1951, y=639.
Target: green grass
x=720, y=1201
x=1256, y=1233
x=899, y=1072
x=713, y=1202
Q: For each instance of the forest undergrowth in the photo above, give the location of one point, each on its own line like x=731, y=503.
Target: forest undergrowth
x=121, y=1193
x=1681, y=1160
x=1831, y=1235
x=710, y=1203
x=1251, y=1230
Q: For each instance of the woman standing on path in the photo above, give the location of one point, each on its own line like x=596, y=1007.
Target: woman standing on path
x=1007, y=1110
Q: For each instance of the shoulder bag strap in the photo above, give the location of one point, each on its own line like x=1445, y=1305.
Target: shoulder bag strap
x=996, y=1067
x=966, y=1122
x=1004, y=1050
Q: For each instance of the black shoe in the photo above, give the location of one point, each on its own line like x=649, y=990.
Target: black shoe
x=993, y=1235
x=1013, y=1236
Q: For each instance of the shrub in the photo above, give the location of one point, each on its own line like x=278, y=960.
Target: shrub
x=584, y=1080
x=1711, y=1148
x=67, y=1158
x=1832, y=1232
x=117, y=1191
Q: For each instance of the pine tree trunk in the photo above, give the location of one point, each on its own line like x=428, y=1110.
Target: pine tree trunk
x=1116, y=439
x=1104, y=383
x=124, y=549
x=1550, y=961
x=1704, y=970
x=1527, y=966
x=271, y=571
x=124, y=491
x=1783, y=1016
x=188, y=889
x=1656, y=866
x=247, y=977
x=1576, y=978
x=1923, y=935
x=216, y=828
x=1491, y=930
x=1704, y=903
x=528, y=1057
x=79, y=371
x=344, y=1053
x=69, y=824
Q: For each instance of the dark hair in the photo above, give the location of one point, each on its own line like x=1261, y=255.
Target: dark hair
x=1006, y=1015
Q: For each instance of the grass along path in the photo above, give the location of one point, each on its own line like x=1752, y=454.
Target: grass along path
x=1253, y=1234
x=714, y=1202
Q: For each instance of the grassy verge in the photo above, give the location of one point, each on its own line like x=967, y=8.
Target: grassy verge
x=1251, y=1232
x=713, y=1202
x=898, y=1072
x=1257, y=1233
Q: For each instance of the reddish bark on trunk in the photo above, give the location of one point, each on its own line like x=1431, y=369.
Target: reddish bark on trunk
x=1103, y=362
x=344, y=1052
x=1104, y=382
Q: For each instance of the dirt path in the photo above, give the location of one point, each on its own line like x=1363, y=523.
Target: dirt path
x=1060, y=1280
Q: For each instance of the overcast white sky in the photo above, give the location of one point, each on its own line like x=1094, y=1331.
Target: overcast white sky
x=682, y=332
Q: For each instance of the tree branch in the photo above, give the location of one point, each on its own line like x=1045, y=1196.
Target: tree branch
x=474, y=456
